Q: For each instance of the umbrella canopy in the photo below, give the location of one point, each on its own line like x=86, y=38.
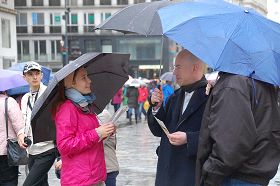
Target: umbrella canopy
x=140, y=18
x=108, y=73
x=228, y=38
x=23, y=89
x=168, y=76
x=136, y=83
x=11, y=79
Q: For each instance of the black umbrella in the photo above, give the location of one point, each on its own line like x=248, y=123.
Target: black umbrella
x=140, y=18
x=108, y=73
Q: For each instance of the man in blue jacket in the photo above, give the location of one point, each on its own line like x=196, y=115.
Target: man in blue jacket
x=182, y=116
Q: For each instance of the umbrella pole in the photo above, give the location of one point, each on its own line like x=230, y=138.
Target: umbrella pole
x=160, y=62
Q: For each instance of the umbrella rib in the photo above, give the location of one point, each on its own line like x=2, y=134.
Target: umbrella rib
x=108, y=73
x=232, y=41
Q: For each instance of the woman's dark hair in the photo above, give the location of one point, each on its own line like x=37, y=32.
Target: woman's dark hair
x=60, y=96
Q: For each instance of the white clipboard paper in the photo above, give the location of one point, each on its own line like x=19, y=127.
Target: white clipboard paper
x=118, y=113
x=162, y=125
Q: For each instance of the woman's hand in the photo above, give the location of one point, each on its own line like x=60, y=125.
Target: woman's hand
x=106, y=129
x=21, y=142
x=58, y=165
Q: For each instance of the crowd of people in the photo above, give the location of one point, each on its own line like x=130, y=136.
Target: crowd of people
x=136, y=95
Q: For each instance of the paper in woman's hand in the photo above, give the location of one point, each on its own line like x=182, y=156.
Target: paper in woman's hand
x=118, y=113
x=162, y=125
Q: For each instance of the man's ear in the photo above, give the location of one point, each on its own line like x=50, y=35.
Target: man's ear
x=195, y=67
x=24, y=77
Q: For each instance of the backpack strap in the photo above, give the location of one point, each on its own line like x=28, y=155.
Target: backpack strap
x=6, y=115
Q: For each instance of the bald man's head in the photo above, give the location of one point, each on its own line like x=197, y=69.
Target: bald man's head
x=188, y=56
x=188, y=68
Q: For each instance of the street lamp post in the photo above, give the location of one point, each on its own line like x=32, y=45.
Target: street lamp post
x=66, y=50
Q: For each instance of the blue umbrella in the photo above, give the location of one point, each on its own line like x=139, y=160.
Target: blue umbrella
x=23, y=89
x=227, y=37
x=10, y=79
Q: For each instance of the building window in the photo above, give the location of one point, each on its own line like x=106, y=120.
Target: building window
x=38, y=23
x=73, y=26
x=4, y=1
x=104, y=16
x=7, y=62
x=122, y=2
x=6, y=33
x=88, y=2
x=55, y=23
x=141, y=49
x=38, y=18
x=23, y=50
x=21, y=21
x=55, y=19
x=72, y=2
x=105, y=2
x=89, y=18
x=20, y=2
x=89, y=22
x=75, y=51
x=37, y=3
x=74, y=19
x=106, y=45
x=54, y=2
x=55, y=49
x=40, y=50
x=139, y=1
x=91, y=46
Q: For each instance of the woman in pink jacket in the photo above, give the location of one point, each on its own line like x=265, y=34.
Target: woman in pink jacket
x=79, y=135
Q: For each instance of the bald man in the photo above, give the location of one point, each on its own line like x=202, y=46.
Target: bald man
x=182, y=115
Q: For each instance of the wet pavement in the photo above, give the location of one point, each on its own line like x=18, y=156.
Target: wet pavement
x=136, y=155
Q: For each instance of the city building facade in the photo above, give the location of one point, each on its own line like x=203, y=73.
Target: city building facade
x=42, y=29
x=8, y=43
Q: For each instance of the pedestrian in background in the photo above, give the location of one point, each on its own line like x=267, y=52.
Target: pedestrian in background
x=9, y=174
x=79, y=135
x=41, y=155
x=132, y=102
x=117, y=100
x=142, y=97
x=182, y=116
x=167, y=90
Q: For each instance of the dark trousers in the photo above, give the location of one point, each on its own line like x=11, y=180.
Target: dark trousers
x=111, y=178
x=39, y=166
x=8, y=174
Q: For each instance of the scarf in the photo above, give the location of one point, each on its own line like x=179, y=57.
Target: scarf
x=78, y=98
x=194, y=86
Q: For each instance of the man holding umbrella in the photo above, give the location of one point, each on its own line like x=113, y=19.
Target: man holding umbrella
x=182, y=116
x=41, y=155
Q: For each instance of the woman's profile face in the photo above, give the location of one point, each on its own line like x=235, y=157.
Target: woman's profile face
x=81, y=81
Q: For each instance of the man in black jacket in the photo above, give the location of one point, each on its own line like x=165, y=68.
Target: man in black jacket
x=239, y=141
x=182, y=116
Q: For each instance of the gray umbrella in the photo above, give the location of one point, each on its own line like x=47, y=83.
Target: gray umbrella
x=168, y=76
x=140, y=18
x=108, y=73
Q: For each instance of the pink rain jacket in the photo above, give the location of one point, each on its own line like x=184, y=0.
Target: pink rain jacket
x=82, y=154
